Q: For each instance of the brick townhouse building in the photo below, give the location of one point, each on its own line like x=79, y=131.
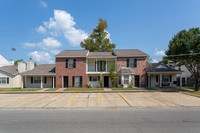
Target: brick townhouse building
x=79, y=68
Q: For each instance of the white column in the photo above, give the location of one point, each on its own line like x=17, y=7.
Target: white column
x=41, y=82
x=96, y=65
x=180, y=80
x=62, y=82
x=22, y=84
x=86, y=65
x=53, y=82
x=149, y=80
x=160, y=80
x=106, y=65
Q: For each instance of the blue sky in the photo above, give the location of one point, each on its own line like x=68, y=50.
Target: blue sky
x=41, y=28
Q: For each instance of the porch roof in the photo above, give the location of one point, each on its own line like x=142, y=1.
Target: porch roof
x=161, y=68
x=125, y=70
x=43, y=69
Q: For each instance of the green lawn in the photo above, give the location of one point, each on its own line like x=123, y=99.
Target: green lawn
x=125, y=89
x=52, y=89
x=20, y=89
x=83, y=89
x=150, y=88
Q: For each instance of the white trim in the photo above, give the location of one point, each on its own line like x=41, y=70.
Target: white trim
x=163, y=72
x=69, y=56
x=38, y=74
x=102, y=57
x=97, y=72
x=53, y=82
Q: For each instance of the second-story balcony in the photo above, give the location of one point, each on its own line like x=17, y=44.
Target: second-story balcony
x=99, y=65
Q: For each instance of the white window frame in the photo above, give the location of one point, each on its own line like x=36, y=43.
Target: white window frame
x=1, y=79
x=126, y=79
x=76, y=84
x=92, y=78
x=37, y=80
x=70, y=63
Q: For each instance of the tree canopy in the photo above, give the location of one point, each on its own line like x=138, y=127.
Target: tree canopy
x=184, y=49
x=98, y=41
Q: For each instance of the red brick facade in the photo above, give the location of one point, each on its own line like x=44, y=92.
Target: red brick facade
x=80, y=70
x=139, y=70
x=61, y=71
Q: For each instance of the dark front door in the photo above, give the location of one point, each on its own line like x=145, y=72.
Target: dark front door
x=137, y=80
x=65, y=81
x=106, y=81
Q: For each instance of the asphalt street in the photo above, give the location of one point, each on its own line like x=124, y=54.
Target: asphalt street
x=101, y=121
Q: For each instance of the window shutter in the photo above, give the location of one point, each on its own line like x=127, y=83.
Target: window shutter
x=80, y=81
x=156, y=78
x=74, y=63
x=31, y=80
x=45, y=80
x=127, y=62
x=72, y=81
x=66, y=63
x=7, y=80
x=135, y=62
x=90, y=78
x=95, y=66
x=170, y=78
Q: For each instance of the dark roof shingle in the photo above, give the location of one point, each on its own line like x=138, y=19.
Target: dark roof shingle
x=91, y=54
x=43, y=69
x=129, y=52
x=159, y=67
x=9, y=69
x=73, y=53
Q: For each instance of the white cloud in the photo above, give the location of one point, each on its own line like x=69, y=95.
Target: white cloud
x=46, y=44
x=55, y=51
x=41, y=57
x=41, y=29
x=63, y=23
x=159, y=53
x=154, y=61
x=44, y=4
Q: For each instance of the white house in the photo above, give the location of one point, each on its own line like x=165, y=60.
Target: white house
x=5, y=62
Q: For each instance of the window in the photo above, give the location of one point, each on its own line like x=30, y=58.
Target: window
x=156, y=78
x=93, y=78
x=4, y=80
x=131, y=62
x=36, y=80
x=126, y=79
x=119, y=80
x=77, y=81
x=71, y=63
x=101, y=65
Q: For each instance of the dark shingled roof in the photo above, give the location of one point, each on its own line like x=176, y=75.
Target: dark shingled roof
x=9, y=69
x=91, y=54
x=43, y=69
x=159, y=67
x=125, y=70
x=129, y=52
x=73, y=53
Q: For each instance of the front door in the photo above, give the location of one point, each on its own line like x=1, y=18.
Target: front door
x=137, y=80
x=106, y=81
x=65, y=81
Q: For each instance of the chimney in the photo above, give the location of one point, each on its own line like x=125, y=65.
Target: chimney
x=30, y=65
x=21, y=67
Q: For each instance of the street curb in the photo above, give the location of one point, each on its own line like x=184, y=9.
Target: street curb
x=191, y=94
x=115, y=91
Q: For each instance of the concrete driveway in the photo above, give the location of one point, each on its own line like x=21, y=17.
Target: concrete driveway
x=99, y=100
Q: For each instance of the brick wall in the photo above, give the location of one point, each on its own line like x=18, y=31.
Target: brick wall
x=139, y=70
x=61, y=71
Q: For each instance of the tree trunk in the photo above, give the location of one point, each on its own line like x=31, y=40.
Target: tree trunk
x=197, y=83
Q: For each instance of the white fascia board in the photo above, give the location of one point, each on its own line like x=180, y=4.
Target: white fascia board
x=164, y=72
x=38, y=74
x=101, y=57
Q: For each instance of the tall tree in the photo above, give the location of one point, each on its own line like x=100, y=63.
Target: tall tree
x=184, y=49
x=164, y=60
x=98, y=41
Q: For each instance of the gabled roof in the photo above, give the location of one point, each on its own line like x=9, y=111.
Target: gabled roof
x=129, y=53
x=125, y=70
x=73, y=53
x=159, y=68
x=4, y=61
x=43, y=69
x=9, y=69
